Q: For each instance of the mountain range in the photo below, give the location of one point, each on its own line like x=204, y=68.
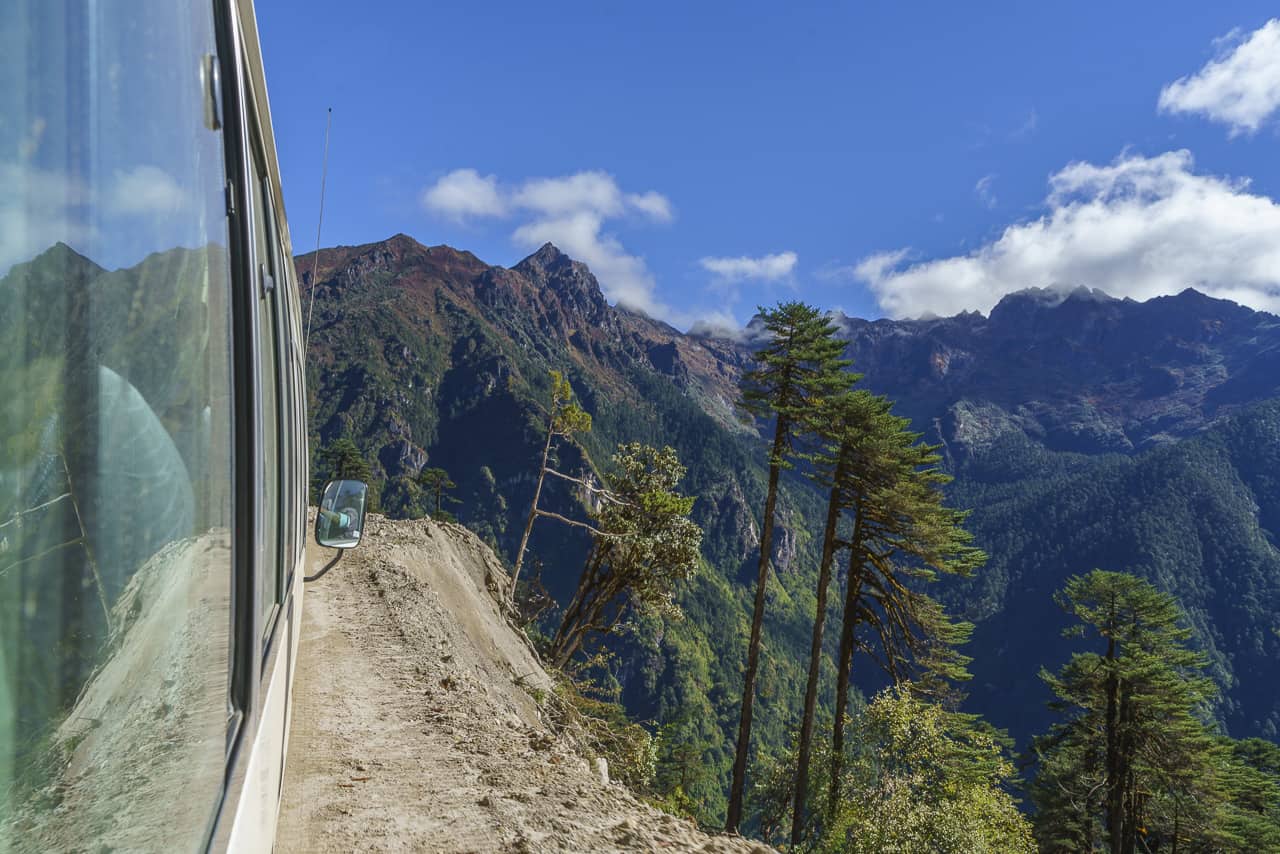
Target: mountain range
x=1082, y=431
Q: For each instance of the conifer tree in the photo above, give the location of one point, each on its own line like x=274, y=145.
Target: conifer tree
x=1132, y=760
x=903, y=534
x=851, y=461
x=564, y=419
x=345, y=462
x=341, y=459
x=436, y=482
x=799, y=366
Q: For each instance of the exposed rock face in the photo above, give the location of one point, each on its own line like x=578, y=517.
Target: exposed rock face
x=402, y=457
x=784, y=543
x=731, y=521
x=1076, y=370
x=571, y=281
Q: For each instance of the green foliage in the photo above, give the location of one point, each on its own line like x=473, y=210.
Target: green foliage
x=436, y=482
x=797, y=368
x=915, y=777
x=567, y=418
x=902, y=534
x=1131, y=759
x=1198, y=519
x=684, y=783
x=922, y=779
x=1250, y=772
x=600, y=727
x=342, y=460
x=644, y=545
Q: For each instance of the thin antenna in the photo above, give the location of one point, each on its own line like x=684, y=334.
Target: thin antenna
x=315, y=259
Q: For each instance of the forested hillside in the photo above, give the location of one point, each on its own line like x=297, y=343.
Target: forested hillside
x=1082, y=431
x=427, y=357
x=1198, y=518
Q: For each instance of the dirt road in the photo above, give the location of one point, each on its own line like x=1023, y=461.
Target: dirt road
x=413, y=729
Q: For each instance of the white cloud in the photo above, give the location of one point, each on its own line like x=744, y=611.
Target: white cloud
x=766, y=268
x=39, y=208
x=1240, y=88
x=655, y=205
x=1138, y=227
x=464, y=193
x=717, y=324
x=983, y=190
x=570, y=211
x=624, y=277
x=145, y=190
x=596, y=192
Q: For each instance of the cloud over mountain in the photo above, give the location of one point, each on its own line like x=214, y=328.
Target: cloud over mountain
x=570, y=211
x=1138, y=227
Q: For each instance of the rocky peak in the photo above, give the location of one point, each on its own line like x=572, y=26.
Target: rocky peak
x=570, y=280
x=60, y=262
x=1029, y=304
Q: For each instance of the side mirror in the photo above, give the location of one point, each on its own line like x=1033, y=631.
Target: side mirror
x=340, y=519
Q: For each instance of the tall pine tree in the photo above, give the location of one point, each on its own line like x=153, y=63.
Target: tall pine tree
x=903, y=536
x=1132, y=764
x=798, y=367
x=852, y=460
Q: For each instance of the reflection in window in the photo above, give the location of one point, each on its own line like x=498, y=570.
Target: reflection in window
x=115, y=432
x=269, y=391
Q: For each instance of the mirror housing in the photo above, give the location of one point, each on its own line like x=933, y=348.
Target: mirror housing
x=340, y=519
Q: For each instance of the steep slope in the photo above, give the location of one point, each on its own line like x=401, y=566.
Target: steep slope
x=429, y=353
x=416, y=724
x=1199, y=518
x=427, y=356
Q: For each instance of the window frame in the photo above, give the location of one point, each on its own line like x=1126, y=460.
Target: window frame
x=257, y=640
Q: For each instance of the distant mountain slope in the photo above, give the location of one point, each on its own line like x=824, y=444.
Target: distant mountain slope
x=1074, y=372
x=1199, y=518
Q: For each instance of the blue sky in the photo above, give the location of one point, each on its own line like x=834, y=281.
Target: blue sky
x=885, y=158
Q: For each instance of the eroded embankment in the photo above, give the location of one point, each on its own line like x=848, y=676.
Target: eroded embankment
x=415, y=725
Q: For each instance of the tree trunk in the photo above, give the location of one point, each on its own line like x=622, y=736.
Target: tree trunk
x=1132, y=804
x=1115, y=783
x=533, y=512
x=565, y=654
x=736, y=792
x=845, y=662
x=815, y=658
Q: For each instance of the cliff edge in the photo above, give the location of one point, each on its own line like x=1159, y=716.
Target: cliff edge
x=416, y=724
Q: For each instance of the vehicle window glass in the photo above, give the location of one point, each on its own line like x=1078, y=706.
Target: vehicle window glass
x=292, y=403
x=115, y=428
x=269, y=389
